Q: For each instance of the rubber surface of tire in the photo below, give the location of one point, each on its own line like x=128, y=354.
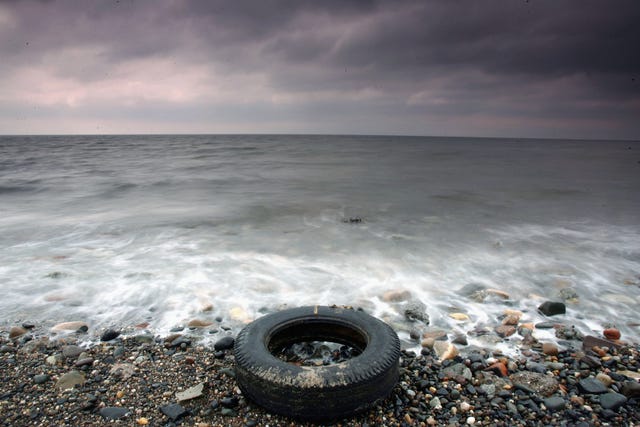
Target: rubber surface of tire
x=322, y=392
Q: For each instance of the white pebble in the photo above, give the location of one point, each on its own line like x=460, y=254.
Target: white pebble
x=465, y=406
x=471, y=421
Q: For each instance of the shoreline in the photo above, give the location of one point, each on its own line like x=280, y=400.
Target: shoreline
x=137, y=380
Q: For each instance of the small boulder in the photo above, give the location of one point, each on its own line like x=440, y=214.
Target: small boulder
x=552, y=308
x=17, y=331
x=592, y=386
x=174, y=411
x=612, y=400
x=109, y=334
x=70, y=380
x=416, y=310
x=113, y=412
x=611, y=334
x=224, y=343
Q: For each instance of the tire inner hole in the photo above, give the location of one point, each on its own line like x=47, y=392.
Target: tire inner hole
x=316, y=343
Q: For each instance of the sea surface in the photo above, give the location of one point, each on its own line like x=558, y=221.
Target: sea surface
x=122, y=230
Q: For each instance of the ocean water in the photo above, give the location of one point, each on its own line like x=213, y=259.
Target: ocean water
x=120, y=230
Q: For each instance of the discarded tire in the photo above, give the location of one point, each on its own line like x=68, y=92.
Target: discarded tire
x=317, y=392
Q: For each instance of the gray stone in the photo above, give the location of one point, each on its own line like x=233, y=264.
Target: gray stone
x=224, y=343
x=552, y=308
x=416, y=310
x=71, y=351
x=190, y=393
x=109, y=334
x=592, y=386
x=174, y=411
x=554, y=403
x=144, y=338
x=41, y=379
x=434, y=403
x=612, y=401
x=589, y=341
x=458, y=369
x=70, y=380
x=536, y=382
x=631, y=389
x=113, y=412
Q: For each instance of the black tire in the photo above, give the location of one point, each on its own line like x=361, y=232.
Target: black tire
x=323, y=392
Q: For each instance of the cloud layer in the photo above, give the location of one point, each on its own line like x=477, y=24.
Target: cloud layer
x=537, y=68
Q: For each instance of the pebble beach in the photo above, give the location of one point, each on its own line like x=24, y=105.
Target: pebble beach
x=65, y=377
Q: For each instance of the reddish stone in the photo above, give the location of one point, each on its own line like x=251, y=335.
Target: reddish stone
x=611, y=334
x=498, y=368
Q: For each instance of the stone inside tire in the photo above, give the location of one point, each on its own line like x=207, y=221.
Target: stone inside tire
x=317, y=392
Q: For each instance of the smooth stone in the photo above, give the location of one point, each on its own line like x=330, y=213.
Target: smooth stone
x=611, y=334
x=113, y=412
x=460, y=317
x=445, y=350
x=604, y=379
x=70, y=380
x=16, y=331
x=109, y=334
x=434, y=403
x=498, y=293
x=630, y=374
x=228, y=412
x=631, y=389
x=612, y=400
x=397, y=295
x=592, y=386
x=416, y=310
x=550, y=349
x=589, y=341
x=197, y=323
x=84, y=362
x=545, y=325
x=70, y=326
x=552, y=308
x=174, y=411
x=224, y=343
x=190, y=393
x=554, y=403
x=41, y=379
x=460, y=339
x=71, y=351
x=144, y=339
x=536, y=382
x=229, y=402
x=505, y=331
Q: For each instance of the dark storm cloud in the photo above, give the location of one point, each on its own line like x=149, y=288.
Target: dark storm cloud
x=425, y=58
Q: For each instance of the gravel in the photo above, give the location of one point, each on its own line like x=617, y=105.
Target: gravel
x=131, y=381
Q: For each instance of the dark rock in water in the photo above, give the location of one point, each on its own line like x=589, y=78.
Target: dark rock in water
x=460, y=339
x=554, y=403
x=174, y=411
x=474, y=291
x=631, y=389
x=224, y=343
x=28, y=325
x=612, y=401
x=545, y=325
x=353, y=220
x=552, y=308
x=416, y=310
x=592, y=386
x=113, y=412
x=109, y=335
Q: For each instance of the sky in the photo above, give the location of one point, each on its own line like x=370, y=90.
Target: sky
x=495, y=68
